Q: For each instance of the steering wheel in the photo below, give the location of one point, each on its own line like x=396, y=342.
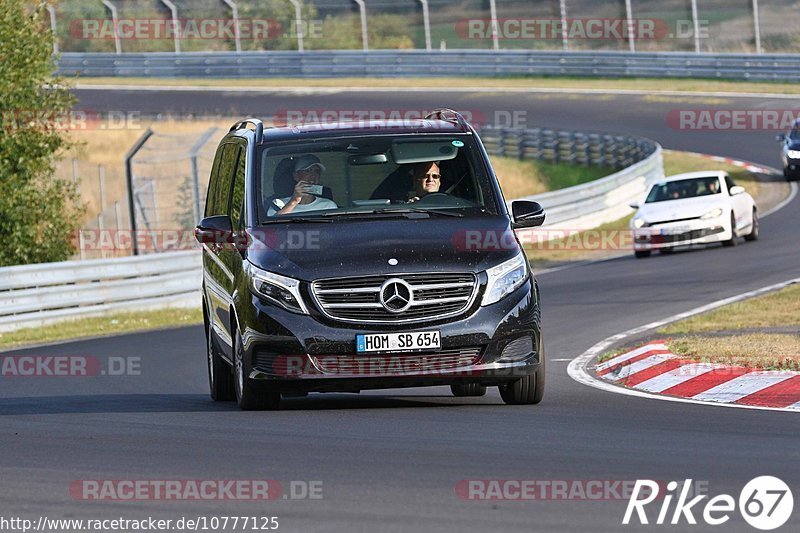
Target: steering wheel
x=434, y=195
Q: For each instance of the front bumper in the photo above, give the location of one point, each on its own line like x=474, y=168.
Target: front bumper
x=288, y=352
x=683, y=233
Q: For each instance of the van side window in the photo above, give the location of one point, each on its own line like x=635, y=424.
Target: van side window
x=237, y=199
x=212, y=183
x=222, y=194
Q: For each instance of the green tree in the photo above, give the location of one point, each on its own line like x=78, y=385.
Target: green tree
x=39, y=214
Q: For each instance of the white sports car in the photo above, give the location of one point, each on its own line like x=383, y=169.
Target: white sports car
x=693, y=208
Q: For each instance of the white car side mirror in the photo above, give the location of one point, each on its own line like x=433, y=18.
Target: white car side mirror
x=738, y=189
x=634, y=205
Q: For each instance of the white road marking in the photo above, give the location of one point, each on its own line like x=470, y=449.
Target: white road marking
x=676, y=377
x=630, y=355
x=634, y=368
x=742, y=386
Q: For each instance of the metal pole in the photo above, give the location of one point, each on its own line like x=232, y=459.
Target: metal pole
x=426, y=21
x=176, y=24
x=629, y=17
x=53, y=27
x=362, y=8
x=129, y=181
x=114, y=20
x=100, y=234
x=493, y=14
x=757, y=23
x=101, y=176
x=298, y=18
x=237, y=34
x=696, y=22
x=195, y=150
x=564, y=33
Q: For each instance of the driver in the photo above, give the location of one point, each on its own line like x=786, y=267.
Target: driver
x=427, y=179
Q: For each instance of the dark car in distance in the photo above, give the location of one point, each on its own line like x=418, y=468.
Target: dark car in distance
x=366, y=255
x=790, y=152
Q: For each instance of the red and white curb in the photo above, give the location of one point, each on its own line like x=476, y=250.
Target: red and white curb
x=652, y=368
x=584, y=370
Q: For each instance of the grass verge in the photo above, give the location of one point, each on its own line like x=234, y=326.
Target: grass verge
x=112, y=324
x=761, y=333
x=519, y=178
x=520, y=82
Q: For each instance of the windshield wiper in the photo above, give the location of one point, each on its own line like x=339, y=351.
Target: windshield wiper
x=281, y=219
x=394, y=212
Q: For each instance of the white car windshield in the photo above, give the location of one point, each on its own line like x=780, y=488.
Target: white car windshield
x=680, y=189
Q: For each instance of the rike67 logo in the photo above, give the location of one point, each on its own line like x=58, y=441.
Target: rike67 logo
x=765, y=503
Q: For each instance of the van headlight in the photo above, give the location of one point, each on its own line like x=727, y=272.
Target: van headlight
x=714, y=213
x=278, y=289
x=505, y=278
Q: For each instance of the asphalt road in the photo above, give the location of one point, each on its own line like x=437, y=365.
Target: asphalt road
x=390, y=460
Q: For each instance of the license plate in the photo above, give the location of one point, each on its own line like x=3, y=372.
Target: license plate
x=399, y=342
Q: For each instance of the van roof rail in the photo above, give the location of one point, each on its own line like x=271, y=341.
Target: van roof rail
x=254, y=122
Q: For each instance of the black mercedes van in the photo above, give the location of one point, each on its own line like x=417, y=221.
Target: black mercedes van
x=365, y=255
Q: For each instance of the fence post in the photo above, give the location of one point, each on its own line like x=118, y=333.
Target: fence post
x=101, y=177
x=237, y=34
x=115, y=21
x=362, y=8
x=195, y=172
x=129, y=181
x=495, y=28
x=757, y=23
x=176, y=24
x=564, y=32
x=426, y=21
x=298, y=22
x=629, y=19
x=696, y=22
x=52, y=11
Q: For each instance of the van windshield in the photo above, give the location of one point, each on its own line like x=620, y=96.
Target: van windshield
x=374, y=175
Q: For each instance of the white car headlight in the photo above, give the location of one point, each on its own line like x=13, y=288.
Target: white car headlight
x=638, y=223
x=714, y=213
x=505, y=278
x=278, y=289
x=793, y=154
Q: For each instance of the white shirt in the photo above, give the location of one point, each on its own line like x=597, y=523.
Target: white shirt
x=317, y=205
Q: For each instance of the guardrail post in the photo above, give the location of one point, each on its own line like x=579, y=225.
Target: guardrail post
x=176, y=24
x=298, y=22
x=237, y=34
x=426, y=21
x=115, y=21
x=362, y=8
x=757, y=24
x=129, y=180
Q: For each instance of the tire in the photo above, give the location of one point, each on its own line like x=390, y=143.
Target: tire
x=220, y=375
x=525, y=391
x=640, y=254
x=248, y=395
x=467, y=389
x=732, y=240
x=753, y=235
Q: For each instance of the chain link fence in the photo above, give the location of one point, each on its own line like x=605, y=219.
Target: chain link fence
x=711, y=26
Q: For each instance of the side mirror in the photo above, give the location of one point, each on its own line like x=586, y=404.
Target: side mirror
x=527, y=214
x=214, y=230
x=634, y=205
x=736, y=189
x=781, y=137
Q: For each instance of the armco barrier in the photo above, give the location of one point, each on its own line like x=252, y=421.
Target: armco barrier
x=32, y=295
x=594, y=203
x=418, y=63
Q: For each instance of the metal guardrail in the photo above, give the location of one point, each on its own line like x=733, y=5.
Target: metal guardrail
x=33, y=295
x=598, y=201
x=421, y=63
